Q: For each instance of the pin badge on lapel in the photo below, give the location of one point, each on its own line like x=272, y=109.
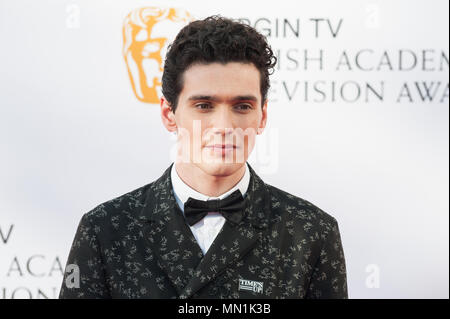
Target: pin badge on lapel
x=251, y=285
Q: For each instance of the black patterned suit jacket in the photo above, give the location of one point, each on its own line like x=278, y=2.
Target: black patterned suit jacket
x=139, y=245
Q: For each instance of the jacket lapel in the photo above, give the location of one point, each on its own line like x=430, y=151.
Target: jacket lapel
x=168, y=234
x=233, y=241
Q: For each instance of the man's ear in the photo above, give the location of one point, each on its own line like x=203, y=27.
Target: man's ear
x=167, y=115
x=263, y=122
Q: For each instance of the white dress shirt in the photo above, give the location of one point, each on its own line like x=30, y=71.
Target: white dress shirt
x=206, y=230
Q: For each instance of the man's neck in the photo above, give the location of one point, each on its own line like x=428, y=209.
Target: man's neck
x=209, y=185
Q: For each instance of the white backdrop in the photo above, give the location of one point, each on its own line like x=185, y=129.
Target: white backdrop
x=73, y=134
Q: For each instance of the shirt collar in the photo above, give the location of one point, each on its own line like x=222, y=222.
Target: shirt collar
x=183, y=191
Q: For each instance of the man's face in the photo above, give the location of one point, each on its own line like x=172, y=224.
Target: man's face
x=220, y=104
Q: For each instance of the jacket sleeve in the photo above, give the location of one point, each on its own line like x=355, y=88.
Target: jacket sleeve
x=329, y=277
x=84, y=273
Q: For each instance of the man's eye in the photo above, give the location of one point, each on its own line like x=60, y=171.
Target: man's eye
x=202, y=106
x=243, y=106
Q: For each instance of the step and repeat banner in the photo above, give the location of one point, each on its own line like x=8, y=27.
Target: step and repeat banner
x=358, y=124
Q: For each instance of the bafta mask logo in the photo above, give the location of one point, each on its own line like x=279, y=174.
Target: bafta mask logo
x=146, y=34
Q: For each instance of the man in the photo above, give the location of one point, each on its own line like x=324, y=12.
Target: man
x=209, y=227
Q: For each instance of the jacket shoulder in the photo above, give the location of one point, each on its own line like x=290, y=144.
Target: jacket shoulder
x=126, y=205
x=300, y=211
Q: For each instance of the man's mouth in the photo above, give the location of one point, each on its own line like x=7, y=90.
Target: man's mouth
x=222, y=146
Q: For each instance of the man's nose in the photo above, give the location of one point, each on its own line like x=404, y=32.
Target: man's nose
x=222, y=121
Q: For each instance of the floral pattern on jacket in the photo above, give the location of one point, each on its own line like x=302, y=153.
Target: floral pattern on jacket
x=138, y=245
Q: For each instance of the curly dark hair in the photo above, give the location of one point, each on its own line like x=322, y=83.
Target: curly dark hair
x=215, y=39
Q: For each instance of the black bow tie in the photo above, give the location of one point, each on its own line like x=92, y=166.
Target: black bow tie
x=231, y=207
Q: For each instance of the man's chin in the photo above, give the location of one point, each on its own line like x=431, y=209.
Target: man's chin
x=219, y=169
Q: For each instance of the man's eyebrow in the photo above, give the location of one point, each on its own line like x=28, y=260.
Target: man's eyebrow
x=245, y=98
x=202, y=97
x=215, y=98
